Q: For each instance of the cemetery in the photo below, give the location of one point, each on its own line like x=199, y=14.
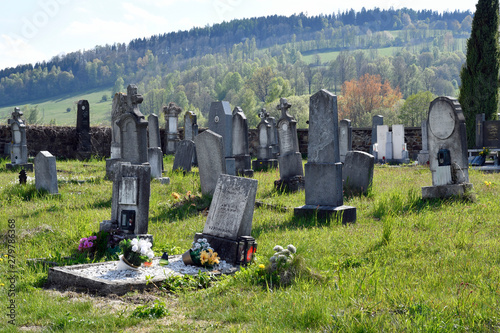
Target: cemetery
x=355, y=233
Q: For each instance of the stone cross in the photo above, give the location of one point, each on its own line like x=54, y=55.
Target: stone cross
x=283, y=107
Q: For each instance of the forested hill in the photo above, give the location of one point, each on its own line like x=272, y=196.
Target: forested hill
x=246, y=40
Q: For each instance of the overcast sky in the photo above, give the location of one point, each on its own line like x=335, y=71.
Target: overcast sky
x=37, y=30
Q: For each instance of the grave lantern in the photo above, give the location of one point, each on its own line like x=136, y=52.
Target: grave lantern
x=247, y=246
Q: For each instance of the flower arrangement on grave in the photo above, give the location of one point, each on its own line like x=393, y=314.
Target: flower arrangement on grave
x=201, y=254
x=136, y=251
x=87, y=244
x=485, y=152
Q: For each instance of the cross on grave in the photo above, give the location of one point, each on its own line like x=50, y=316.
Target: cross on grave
x=283, y=107
x=133, y=98
x=263, y=114
x=16, y=115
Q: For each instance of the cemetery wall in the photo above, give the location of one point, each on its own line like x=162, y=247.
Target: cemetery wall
x=62, y=142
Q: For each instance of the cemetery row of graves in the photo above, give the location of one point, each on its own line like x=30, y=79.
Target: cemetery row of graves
x=337, y=243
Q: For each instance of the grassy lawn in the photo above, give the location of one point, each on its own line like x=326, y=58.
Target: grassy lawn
x=405, y=265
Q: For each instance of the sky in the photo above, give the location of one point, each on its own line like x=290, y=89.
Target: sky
x=36, y=30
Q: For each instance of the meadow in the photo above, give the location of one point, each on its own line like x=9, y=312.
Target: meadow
x=405, y=265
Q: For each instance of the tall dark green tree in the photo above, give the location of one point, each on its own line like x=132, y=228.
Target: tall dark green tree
x=479, y=75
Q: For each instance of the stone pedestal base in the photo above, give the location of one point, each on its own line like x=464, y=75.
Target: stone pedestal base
x=344, y=214
x=227, y=249
x=26, y=166
x=163, y=180
x=293, y=184
x=242, y=166
x=108, y=226
x=110, y=162
x=446, y=191
x=245, y=173
x=263, y=165
x=423, y=158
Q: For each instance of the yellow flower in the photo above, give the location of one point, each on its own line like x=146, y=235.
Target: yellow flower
x=176, y=195
x=261, y=266
x=487, y=183
x=1, y=259
x=1, y=284
x=5, y=255
x=204, y=256
x=188, y=193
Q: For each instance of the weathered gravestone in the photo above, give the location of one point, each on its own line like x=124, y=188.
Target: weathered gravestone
x=155, y=154
x=46, y=172
x=211, y=162
x=423, y=155
x=274, y=135
x=381, y=145
x=323, y=180
x=265, y=155
x=119, y=108
x=184, y=156
x=241, y=154
x=376, y=121
x=191, y=130
x=487, y=132
x=18, y=145
x=84, y=148
x=399, y=151
x=290, y=159
x=345, y=138
x=171, y=113
x=357, y=172
x=447, y=150
x=229, y=223
x=220, y=121
x=130, y=201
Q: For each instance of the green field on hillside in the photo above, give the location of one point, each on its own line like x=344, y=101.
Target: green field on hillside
x=56, y=108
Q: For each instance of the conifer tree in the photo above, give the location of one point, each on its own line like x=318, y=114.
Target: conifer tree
x=479, y=75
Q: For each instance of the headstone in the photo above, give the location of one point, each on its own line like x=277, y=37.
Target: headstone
x=191, y=130
x=241, y=154
x=491, y=134
x=447, y=150
x=184, y=156
x=388, y=147
x=376, y=121
x=399, y=151
x=423, y=155
x=46, y=172
x=323, y=179
x=357, y=172
x=345, y=138
x=274, y=136
x=265, y=154
x=230, y=216
x=382, y=131
x=130, y=201
x=290, y=159
x=155, y=154
x=18, y=145
x=84, y=149
x=220, y=121
x=211, y=163
x=480, y=119
x=171, y=113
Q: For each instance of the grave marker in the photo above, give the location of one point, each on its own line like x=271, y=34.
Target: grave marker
x=84, y=149
x=18, y=144
x=155, y=154
x=241, y=154
x=184, y=156
x=220, y=121
x=265, y=154
x=46, y=172
x=211, y=163
x=171, y=113
x=345, y=138
x=357, y=172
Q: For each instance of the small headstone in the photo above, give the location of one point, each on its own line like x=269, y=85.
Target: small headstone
x=211, y=163
x=382, y=131
x=345, y=138
x=290, y=159
x=423, y=155
x=447, y=150
x=191, y=130
x=184, y=156
x=388, y=147
x=46, y=172
x=84, y=149
x=171, y=113
x=323, y=180
x=240, y=149
x=155, y=154
x=376, y=121
x=491, y=134
x=265, y=154
x=220, y=121
x=18, y=145
x=480, y=119
x=357, y=172
x=400, y=153
x=230, y=216
x=274, y=135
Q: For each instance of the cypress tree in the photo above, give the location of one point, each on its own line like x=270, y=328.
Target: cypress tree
x=479, y=74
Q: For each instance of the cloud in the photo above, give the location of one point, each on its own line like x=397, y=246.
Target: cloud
x=15, y=50
x=136, y=13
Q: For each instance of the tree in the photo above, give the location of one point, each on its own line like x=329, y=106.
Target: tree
x=415, y=108
x=363, y=96
x=479, y=75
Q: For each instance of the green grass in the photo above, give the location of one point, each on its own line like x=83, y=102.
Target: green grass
x=55, y=108
x=405, y=265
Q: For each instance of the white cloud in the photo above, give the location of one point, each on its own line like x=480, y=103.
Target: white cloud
x=139, y=14
x=15, y=50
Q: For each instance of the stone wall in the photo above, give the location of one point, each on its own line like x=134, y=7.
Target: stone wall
x=61, y=141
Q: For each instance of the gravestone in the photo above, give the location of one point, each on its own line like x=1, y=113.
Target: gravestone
x=381, y=144
x=46, y=172
x=323, y=170
x=171, y=113
x=423, y=155
x=480, y=119
x=376, y=121
x=18, y=145
x=388, y=147
x=265, y=154
x=119, y=108
x=447, y=150
x=130, y=201
x=220, y=121
x=155, y=154
x=290, y=159
x=211, y=162
x=274, y=136
x=241, y=154
x=184, y=156
x=357, y=172
x=399, y=151
x=84, y=148
x=345, y=138
x=229, y=220
x=191, y=130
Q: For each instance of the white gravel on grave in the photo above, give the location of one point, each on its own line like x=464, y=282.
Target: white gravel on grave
x=175, y=267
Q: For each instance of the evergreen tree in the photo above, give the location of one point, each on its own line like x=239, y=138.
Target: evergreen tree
x=479, y=75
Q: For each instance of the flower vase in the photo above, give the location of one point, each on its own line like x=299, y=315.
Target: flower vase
x=186, y=258
x=123, y=264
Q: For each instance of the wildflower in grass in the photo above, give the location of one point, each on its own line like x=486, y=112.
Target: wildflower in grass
x=1, y=259
x=1, y=284
x=176, y=195
x=261, y=266
x=487, y=183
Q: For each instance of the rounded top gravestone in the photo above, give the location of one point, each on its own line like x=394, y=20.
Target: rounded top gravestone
x=442, y=119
